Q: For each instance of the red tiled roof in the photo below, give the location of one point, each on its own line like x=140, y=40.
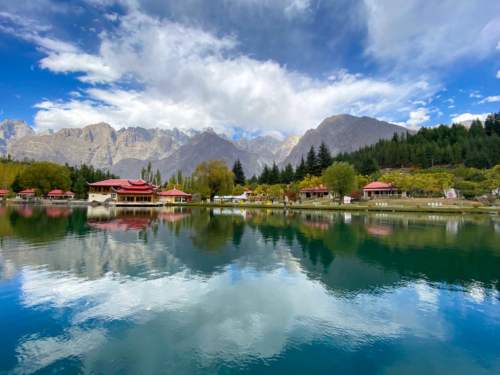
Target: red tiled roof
x=134, y=191
x=55, y=193
x=4, y=191
x=69, y=193
x=27, y=192
x=111, y=182
x=378, y=185
x=174, y=193
x=316, y=189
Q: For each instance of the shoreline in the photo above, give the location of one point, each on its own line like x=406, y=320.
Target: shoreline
x=483, y=210
x=350, y=207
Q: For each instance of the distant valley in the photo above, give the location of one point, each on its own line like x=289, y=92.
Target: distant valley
x=126, y=151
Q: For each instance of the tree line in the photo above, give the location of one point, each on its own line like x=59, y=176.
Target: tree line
x=477, y=146
x=45, y=176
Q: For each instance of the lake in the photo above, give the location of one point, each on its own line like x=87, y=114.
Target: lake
x=181, y=291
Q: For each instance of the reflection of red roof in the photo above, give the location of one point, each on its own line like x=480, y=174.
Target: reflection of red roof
x=379, y=230
x=172, y=217
x=4, y=192
x=27, y=192
x=317, y=224
x=316, y=189
x=378, y=185
x=121, y=224
x=174, y=193
x=25, y=211
x=57, y=212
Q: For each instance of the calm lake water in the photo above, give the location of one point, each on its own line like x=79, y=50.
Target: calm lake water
x=180, y=291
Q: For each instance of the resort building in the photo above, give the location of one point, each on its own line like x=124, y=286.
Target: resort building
x=4, y=193
x=136, y=192
x=316, y=192
x=60, y=194
x=377, y=189
x=26, y=194
x=174, y=196
x=105, y=191
x=233, y=198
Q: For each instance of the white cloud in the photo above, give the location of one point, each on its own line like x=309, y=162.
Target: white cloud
x=467, y=117
x=475, y=95
x=418, y=117
x=498, y=74
x=431, y=34
x=189, y=78
x=490, y=99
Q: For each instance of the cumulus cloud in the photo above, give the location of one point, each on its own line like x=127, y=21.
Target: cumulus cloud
x=468, y=117
x=418, y=117
x=431, y=34
x=189, y=78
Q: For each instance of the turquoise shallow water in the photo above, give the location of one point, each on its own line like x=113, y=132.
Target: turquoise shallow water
x=225, y=291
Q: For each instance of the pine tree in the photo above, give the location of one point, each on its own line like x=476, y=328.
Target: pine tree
x=287, y=175
x=324, y=157
x=264, y=176
x=239, y=174
x=301, y=170
x=312, y=163
x=274, y=175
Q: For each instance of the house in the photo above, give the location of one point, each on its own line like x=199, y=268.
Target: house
x=378, y=189
x=315, y=192
x=105, y=191
x=124, y=192
x=60, y=194
x=26, y=194
x=4, y=193
x=174, y=196
x=136, y=192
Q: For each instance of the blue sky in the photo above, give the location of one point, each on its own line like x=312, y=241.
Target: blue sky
x=258, y=66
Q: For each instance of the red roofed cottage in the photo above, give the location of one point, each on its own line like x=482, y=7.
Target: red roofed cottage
x=378, y=189
x=174, y=196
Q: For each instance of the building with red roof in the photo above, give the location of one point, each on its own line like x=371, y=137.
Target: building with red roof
x=315, y=192
x=4, y=193
x=378, y=189
x=26, y=194
x=105, y=191
x=174, y=196
x=136, y=191
x=60, y=194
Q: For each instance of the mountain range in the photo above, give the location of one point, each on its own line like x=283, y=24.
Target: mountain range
x=125, y=151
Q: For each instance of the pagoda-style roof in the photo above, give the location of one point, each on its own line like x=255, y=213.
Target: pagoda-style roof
x=136, y=187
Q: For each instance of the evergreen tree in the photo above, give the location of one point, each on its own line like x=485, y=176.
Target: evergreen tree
x=239, y=174
x=312, y=165
x=287, y=175
x=265, y=175
x=324, y=157
x=301, y=170
x=157, y=178
x=274, y=175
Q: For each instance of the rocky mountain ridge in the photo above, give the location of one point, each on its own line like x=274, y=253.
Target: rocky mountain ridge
x=126, y=151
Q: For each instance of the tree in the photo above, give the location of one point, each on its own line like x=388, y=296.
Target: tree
x=239, y=174
x=367, y=165
x=213, y=178
x=45, y=176
x=301, y=171
x=340, y=178
x=312, y=165
x=324, y=157
x=274, y=175
x=287, y=174
x=265, y=175
x=157, y=178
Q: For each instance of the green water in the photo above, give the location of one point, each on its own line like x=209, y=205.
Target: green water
x=183, y=291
